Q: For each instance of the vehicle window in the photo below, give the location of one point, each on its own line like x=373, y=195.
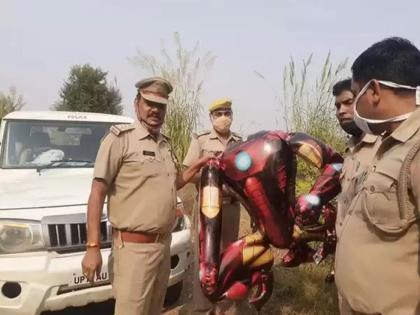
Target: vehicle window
x=31, y=144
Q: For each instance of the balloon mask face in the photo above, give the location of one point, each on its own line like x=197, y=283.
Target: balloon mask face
x=363, y=123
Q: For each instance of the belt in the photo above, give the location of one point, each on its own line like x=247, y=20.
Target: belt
x=137, y=237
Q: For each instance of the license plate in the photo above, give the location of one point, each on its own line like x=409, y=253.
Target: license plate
x=78, y=279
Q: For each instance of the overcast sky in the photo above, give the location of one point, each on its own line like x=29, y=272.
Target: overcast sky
x=41, y=40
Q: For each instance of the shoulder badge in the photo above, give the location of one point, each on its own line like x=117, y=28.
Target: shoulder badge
x=203, y=133
x=236, y=136
x=166, y=137
x=119, y=129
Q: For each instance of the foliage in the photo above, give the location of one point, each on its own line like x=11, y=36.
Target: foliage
x=10, y=102
x=308, y=107
x=86, y=90
x=186, y=70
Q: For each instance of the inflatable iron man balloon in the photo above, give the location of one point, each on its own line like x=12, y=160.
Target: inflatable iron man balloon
x=261, y=173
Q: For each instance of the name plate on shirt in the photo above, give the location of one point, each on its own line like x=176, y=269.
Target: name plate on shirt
x=148, y=153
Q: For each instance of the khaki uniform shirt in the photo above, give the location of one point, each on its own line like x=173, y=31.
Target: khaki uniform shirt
x=357, y=159
x=377, y=257
x=141, y=175
x=207, y=142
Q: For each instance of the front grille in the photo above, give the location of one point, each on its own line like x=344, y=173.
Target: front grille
x=67, y=233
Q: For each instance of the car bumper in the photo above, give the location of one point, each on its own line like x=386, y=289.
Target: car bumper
x=44, y=277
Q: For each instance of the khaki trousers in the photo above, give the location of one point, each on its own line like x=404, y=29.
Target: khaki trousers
x=140, y=276
x=230, y=231
x=345, y=308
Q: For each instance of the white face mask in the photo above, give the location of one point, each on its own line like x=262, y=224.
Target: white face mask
x=363, y=123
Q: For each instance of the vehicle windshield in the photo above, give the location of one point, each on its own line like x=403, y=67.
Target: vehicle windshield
x=35, y=144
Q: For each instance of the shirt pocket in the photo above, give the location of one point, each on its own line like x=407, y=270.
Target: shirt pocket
x=141, y=165
x=380, y=204
x=351, y=179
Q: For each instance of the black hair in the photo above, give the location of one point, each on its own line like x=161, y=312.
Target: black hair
x=393, y=59
x=341, y=86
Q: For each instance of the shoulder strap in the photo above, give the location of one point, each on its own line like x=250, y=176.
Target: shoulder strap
x=118, y=129
x=236, y=136
x=203, y=133
x=407, y=214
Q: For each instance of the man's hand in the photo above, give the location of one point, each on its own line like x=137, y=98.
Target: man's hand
x=208, y=155
x=92, y=263
x=188, y=174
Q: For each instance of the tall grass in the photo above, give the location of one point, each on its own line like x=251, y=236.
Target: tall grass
x=308, y=101
x=308, y=106
x=186, y=70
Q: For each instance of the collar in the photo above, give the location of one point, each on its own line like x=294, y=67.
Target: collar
x=408, y=128
x=366, y=139
x=143, y=133
x=215, y=135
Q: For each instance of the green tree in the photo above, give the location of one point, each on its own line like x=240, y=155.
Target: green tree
x=186, y=70
x=10, y=102
x=87, y=90
x=308, y=106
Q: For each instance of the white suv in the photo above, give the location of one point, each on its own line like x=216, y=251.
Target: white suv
x=46, y=167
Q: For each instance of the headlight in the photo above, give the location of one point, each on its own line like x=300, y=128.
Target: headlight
x=19, y=236
x=179, y=224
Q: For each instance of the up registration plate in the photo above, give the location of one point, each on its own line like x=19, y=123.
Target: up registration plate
x=78, y=279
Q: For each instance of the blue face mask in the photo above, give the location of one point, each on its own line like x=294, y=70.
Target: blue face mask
x=363, y=123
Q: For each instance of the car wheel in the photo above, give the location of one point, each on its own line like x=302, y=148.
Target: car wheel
x=173, y=294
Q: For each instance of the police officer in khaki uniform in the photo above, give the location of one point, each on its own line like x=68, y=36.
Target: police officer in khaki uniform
x=360, y=150
x=359, y=153
x=214, y=142
x=377, y=257
x=136, y=171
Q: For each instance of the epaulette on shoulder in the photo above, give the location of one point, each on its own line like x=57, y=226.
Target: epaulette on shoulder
x=119, y=129
x=203, y=133
x=236, y=135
